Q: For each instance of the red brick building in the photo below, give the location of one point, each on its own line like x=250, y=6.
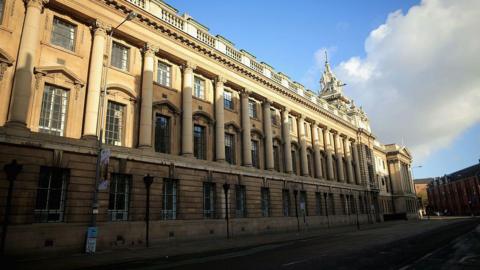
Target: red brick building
x=456, y=194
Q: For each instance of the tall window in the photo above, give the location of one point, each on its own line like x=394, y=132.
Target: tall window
x=294, y=161
x=51, y=192
x=164, y=74
x=255, y=155
x=119, y=197
x=353, y=207
x=230, y=148
x=199, y=88
x=310, y=164
x=227, y=100
x=2, y=7
x=252, y=108
x=290, y=123
x=303, y=202
x=240, y=201
x=343, y=204
x=331, y=204
x=273, y=116
x=318, y=204
x=276, y=157
x=286, y=202
x=162, y=134
x=169, y=209
x=115, y=123
x=200, y=142
x=63, y=33
x=54, y=110
x=120, y=56
x=209, y=200
x=265, y=203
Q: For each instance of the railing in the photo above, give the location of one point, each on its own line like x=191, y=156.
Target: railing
x=205, y=38
x=233, y=53
x=172, y=19
x=180, y=23
x=140, y=3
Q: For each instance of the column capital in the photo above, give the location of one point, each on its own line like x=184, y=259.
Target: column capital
x=36, y=3
x=101, y=28
x=150, y=49
x=190, y=66
x=266, y=101
x=245, y=93
x=220, y=81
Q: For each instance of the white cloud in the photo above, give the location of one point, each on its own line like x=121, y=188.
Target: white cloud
x=420, y=78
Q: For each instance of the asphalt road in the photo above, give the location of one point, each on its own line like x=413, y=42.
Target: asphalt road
x=384, y=248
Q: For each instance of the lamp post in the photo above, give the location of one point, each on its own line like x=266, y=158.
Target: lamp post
x=100, y=125
x=11, y=170
x=148, y=180
x=226, y=187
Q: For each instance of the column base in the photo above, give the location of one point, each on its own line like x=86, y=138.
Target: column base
x=247, y=165
x=221, y=161
x=17, y=125
x=90, y=137
x=187, y=155
x=145, y=147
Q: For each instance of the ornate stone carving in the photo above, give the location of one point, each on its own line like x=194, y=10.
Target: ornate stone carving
x=100, y=28
x=220, y=81
x=189, y=66
x=150, y=49
x=36, y=3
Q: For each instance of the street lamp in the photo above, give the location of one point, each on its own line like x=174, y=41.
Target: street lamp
x=148, y=180
x=100, y=124
x=226, y=187
x=11, y=170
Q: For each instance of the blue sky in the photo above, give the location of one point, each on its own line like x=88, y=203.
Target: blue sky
x=287, y=35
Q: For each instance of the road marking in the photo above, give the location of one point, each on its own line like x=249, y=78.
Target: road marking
x=294, y=262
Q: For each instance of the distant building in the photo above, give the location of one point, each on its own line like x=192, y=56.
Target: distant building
x=421, y=191
x=456, y=194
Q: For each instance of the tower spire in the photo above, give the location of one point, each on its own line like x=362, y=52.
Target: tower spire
x=327, y=65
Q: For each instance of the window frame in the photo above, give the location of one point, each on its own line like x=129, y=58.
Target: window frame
x=199, y=90
x=265, y=201
x=200, y=143
x=115, y=214
x=212, y=199
x=228, y=104
x=167, y=77
x=240, y=205
x=163, y=144
x=122, y=62
x=255, y=152
x=166, y=212
x=65, y=102
x=252, y=109
x=302, y=197
x=43, y=215
x=53, y=34
x=230, y=149
x=121, y=131
x=2, y=10
x=286, y=202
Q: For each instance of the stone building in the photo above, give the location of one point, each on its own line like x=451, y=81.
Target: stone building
x=456, y=194
x=186, y=108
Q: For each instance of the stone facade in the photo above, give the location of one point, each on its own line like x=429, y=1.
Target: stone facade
x=186, y=108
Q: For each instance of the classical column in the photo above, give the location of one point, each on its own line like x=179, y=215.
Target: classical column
x=267, y=128
x=357, y=164
x=339, y=155
x=316, y=151
x=219, y=120
x=23, y=78
x=348, y=157
x=95, y=79
x=246, y=129
x=328, y=151
x=287, y=146
x=187, y=120
x=145, y=138
x=303, y=145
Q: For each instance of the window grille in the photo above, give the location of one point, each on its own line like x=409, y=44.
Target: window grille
x=200, y=142
x=199, y=88
x=51, y=194
x=255, y=155
x=162, y=134
x=227, y=100
x=63, y=33
x=318, y=204
x=118, y=205
x=331, y=204
x=240, y=201
x=273, y=116
x=115, y=123
x=252, y=108
x=120, y=56
x=230, y=148
x=276, y=158
x=164, y=74
x=303, y=202
x=169, y=208
x=209, y=199
x=265, y=203
x=54, y=110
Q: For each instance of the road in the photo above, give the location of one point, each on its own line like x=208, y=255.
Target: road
x=403, y=246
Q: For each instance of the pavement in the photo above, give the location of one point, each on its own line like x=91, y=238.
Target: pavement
x=394, y=245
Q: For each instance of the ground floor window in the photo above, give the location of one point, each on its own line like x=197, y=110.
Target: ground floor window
x=209, y=198
x=119, y=198
x=303, y=203
x=286, y=202
x=169, y=208
x=240, y=201
x=318, y=204
x=265, y=203
x=51, y=194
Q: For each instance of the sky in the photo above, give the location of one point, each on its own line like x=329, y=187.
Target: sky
x=413, y=65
